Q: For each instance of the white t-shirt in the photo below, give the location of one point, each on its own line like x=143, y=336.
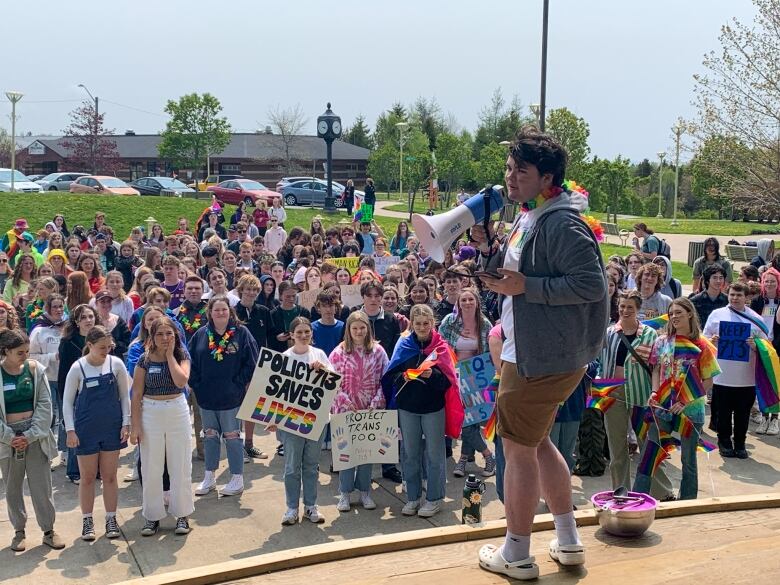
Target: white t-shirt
x=734, y=373
x=315, y=354
x=514, y=243
x=768, y=315
x=74, y=382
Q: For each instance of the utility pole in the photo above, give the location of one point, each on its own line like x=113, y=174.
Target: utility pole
x=543, y=100
x=93, y=150
x=13, y=97
x=678, y=129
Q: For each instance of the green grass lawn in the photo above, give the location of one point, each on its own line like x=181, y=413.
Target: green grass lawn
x=705, y=227
x=680, y=270
x=124, y=213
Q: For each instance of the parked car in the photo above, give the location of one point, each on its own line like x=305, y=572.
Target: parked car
x=35, y=178
x=246, y=190
x=161, y=186
x=213, y=180
x=22, y=184
x=59, y=181
x=310, y=193
x=284, y=181
x=102, y=186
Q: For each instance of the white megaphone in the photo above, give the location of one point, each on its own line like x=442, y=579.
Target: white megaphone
x=437, y=232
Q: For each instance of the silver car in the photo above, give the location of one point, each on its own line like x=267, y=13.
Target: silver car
x=59, y=181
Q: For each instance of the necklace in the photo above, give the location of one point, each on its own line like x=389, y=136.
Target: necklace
x=191, y=325
x=217, y=348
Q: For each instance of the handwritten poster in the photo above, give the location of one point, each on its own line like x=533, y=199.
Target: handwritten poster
x=474, y=375
x=364, y=436
x=732, y=341
x=350, y=264
x=382, y=262
x=350, y=295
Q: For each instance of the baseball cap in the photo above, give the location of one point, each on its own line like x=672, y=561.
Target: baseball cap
x=100, y=237
x=21, y=224
x=466, y=253
x=27, y=236
x=232, y=227
x=101, y=294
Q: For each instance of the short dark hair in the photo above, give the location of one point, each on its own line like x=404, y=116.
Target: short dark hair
x=327, y=297
x=533, y=147
x=372, y=285
x=710, y=271
x=739, y=287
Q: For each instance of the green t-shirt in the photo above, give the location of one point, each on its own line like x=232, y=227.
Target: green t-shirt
x=18, y=391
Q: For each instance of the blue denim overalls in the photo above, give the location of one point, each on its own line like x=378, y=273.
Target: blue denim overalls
x=98, y=417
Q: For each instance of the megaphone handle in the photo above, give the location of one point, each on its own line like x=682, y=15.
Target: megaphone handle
x=486, y=224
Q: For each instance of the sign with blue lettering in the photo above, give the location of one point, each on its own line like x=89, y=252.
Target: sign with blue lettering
x=732, y=341
x=475, y=375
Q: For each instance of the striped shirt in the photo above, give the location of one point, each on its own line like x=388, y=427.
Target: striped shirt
x=158, y=380
x=637, y=387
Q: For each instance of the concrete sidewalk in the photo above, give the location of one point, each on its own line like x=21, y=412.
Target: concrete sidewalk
x=238, y=527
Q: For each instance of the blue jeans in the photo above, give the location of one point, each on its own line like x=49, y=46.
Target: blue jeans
x=564, y=436
x=500, y=467
x=217, y=424
x=472, y=440
x=357, y=478
x=689, y=484
x=413, y=428
x=301, y=460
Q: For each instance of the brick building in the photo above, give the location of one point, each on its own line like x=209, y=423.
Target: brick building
x=254, y=156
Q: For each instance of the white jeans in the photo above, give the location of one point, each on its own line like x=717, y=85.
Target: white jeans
x=165, y=434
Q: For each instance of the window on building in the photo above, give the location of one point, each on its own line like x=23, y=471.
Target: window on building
x=137, y=170
x=229, y=168
x=151, y=168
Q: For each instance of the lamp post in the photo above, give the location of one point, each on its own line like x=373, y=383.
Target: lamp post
x=93, y=150
x=543, y=99
x=13, y=97
x=329, y=128
x=678, y=130
x=402, y=126
x=661, y=156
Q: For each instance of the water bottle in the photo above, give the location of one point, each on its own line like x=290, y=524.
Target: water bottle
x=19, y=453
x=472, y=500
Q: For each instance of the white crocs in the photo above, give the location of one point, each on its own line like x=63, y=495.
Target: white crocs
x=567, y=554
x=491, y=559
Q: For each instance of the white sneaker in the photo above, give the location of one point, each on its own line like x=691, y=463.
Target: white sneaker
x=429, y=509
x=208, y=484
x=368, y=503
x=757, y=418
x=234, y=487
x=774, y=427
x=313, y=515
x=762, y=428
x=343, y=505
x=133, y=475
x=410, y=508
x=290, y=517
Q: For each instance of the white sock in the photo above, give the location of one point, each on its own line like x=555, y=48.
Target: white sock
x=88, y=515
x=516, y=547
x=110, y=515
x=566, y=528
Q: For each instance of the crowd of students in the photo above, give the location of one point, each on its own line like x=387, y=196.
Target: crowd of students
x=145, y=341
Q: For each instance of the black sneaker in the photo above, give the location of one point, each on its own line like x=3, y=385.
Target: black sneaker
x=150, y=528
x=112, y=528
x=740, y=454
x=726, y=452
x=182, y=526
x=393, y=474
x=88, y=529
x=280, y=449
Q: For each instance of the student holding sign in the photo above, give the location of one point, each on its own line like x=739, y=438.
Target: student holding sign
x=301, y=455
x=361, y=361
x=732, y=330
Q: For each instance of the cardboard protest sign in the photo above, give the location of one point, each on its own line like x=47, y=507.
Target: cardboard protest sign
x=732, y=341
x=290, y=394
x=365, y=213
x=474, y=375
x=364, y=436
x=307, y=298
x=350, y=264
x=350, y=295
x=382, y=262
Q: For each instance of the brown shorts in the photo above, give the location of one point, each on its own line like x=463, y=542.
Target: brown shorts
x=526, y=406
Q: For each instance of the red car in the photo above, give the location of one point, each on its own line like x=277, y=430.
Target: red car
x=236, y=190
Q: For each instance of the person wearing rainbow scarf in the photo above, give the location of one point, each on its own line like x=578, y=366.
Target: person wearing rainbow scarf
x=554, y=312
x=684, y=364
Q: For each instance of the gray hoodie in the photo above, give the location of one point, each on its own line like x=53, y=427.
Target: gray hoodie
x=561, y=319
x=668, y=289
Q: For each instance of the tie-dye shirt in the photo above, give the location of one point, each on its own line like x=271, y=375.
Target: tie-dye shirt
x=361, y=372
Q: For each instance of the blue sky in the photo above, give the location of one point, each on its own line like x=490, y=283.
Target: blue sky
x=625, y=66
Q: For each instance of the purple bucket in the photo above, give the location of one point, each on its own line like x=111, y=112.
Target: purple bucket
x=629, y=516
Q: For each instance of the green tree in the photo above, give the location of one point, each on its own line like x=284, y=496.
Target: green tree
x=499, y=121
x=453, y=161
x=717, y=168
x=359, y=133
x=383, y=166
x=385, y=129
x=426, y=115
x=5, y=148
x=489, y=168
x=612, y=179
x=572, y=132
x=194, y=131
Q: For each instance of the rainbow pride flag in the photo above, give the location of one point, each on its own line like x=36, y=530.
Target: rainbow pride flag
x=705, y=446
x=490, y=426
x=664, y=392
x=767, y=376
x=640, y=421
x=657, y=322
x=600, y=391
x=692, y=388
x=491, y=390
x=426, y=364
x=668, y=442
x=652, y=458
x=685, y=349
x=682, y=425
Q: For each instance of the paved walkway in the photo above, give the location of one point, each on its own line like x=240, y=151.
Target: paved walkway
x=237, y=527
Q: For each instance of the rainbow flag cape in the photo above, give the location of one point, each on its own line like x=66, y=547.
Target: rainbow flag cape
x=426, y=364
x=685, y=349
x=600, y=391
x=767, y=376
x=652, y=457
x=705, y=446
x=640, y=421
x=657, y=322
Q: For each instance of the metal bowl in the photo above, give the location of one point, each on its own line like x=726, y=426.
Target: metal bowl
x=624, y=521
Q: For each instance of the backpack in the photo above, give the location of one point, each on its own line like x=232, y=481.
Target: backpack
x=663, y=247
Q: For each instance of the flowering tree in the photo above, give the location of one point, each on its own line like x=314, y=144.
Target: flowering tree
x=89, y=142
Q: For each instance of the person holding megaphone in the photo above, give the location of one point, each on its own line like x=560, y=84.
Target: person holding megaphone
x=550, y=277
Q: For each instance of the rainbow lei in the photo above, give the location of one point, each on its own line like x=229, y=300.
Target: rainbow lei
x=190, y=326
x=541, y=198
x=217, y=348
x=34, y=310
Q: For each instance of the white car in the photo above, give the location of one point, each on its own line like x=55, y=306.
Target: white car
x=21, y=183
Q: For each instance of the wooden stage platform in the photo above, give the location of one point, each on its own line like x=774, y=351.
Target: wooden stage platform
x=706, y=542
